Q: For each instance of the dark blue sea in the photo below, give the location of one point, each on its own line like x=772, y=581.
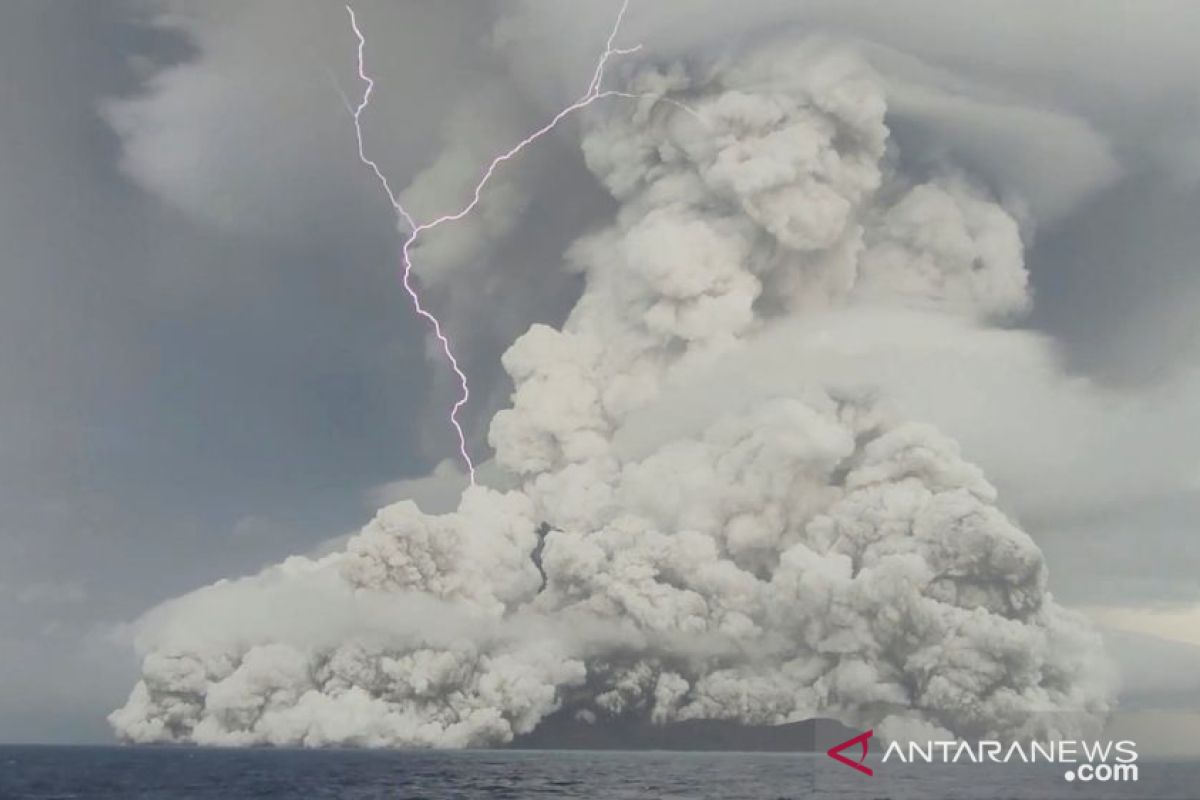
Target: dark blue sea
x=114, y=773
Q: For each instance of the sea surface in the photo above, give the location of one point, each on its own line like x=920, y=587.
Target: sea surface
x=116, y=773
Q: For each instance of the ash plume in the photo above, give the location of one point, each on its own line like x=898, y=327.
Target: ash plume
x=809, y=554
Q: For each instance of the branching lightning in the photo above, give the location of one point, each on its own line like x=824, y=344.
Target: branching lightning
x=595, y=91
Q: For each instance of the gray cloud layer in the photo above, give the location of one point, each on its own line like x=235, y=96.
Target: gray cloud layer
x=224, y=350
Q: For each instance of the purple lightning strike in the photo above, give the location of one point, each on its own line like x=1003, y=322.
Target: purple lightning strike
x=593, y=93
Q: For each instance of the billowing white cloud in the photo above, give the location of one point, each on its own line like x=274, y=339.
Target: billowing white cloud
x=805, y=550
x=1059, y=446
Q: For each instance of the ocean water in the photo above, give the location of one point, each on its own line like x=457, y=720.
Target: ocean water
x=114, y=773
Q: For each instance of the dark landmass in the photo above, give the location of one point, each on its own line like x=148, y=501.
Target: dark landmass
x=562, y=731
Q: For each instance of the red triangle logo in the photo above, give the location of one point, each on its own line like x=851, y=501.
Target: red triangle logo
x=835, y=752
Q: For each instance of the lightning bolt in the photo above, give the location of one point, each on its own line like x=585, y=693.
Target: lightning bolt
x=595, y=91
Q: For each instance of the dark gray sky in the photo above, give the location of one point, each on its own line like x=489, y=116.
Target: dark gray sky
x=205, y=360
x=176, y=404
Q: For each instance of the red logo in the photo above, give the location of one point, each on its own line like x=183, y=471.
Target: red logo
x=835, y=752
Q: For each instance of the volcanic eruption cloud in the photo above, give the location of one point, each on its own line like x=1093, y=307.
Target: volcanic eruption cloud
x=649, y=542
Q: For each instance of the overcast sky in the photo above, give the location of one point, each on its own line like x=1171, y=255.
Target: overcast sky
x=206, y=362
x=177, y=403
